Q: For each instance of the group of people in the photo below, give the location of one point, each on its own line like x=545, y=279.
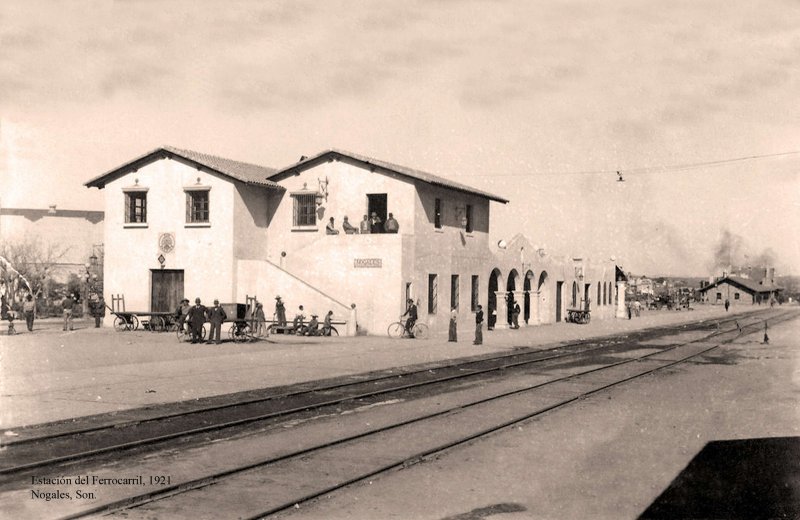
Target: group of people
x=299, y=325
x=634, y=308
x=194, y=316
x=369, y=225
x=452, y=336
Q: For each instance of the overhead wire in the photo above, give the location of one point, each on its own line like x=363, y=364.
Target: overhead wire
x=641, y=169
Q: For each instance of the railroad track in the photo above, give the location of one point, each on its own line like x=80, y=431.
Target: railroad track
x=34, y=452
x=471, y=415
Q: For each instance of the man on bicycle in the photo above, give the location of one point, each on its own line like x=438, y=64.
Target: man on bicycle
x=411, y=311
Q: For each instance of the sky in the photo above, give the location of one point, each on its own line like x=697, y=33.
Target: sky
x=538, y=102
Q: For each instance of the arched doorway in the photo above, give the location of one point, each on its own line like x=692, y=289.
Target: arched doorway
x=511, y=287
x=526, y=286
x=543, y=288
x=491, y=306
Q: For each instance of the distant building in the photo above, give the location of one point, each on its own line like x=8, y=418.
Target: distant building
x=73, y=236
x=740, y=291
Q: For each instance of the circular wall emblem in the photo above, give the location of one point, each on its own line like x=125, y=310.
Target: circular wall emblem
x=166, y=242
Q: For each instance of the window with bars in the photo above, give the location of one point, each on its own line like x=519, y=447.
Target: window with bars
x=433, y=293
x=454, y=296
x=305, y=210
x=197, y=207
x=136, y=207
x=474, y=299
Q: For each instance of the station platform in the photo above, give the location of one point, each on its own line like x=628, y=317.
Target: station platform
x=50, y=375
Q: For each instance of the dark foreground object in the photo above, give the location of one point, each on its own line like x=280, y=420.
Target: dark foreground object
x=747, y=479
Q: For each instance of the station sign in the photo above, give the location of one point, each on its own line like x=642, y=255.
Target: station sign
x=368, y=262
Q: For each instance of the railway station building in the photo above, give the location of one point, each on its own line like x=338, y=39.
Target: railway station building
x=180, y=224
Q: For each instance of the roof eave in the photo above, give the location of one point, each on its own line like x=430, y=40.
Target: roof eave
x=325, y=155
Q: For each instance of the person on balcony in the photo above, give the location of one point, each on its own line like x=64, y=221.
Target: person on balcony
x=375, y=224
x=330, y=229
x=349, y=229
x=365, y=227
x=391, y=225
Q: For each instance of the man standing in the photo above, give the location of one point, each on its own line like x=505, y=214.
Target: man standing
x=515, y=316
x=326, y=329
x=29, y=308
x=364, y=226
x=727, y=304
x=67, y=304
x=280, y=312
x=216, y=316
x=391, y=225
x=99, y=311
x=453, y=332
x=478, y=325
x=182, y=312
x=196, y=318
x=411, y=311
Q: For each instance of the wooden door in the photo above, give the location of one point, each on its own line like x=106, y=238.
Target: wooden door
x=166, y=290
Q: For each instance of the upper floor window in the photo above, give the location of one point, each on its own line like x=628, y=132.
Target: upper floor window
x=136, y=207
x=197, y=206
x=305, y=210
x=437, y=214
x=470, y=223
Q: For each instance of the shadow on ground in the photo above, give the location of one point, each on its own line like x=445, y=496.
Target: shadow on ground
x=737, y=479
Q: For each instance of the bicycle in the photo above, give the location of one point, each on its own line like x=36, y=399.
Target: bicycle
x=398, y=330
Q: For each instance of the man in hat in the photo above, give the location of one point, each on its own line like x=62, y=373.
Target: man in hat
x=196, y=317
x=67, y=305
x=280, y=312
x=411, y=312
x=313, y=326
x=391, y=225
x=181, y=312
x=216, y=315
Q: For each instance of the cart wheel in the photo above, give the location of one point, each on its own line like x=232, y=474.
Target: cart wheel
x=120, y=324
x=239, y=333
x=156, y=324
x=333, y=332
x=134, y=322
x=204, y=332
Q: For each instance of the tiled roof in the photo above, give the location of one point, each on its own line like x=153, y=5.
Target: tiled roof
x=245, y=172
x=387, y=166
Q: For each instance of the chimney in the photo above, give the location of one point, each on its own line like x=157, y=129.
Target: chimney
x=771, y=275
x=52, y=210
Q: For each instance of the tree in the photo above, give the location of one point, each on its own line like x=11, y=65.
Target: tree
x=27, y=266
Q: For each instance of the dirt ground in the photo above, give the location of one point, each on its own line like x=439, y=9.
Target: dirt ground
x=608, y=457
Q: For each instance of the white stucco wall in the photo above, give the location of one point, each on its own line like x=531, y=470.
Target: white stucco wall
x=348, y=186
x=205, y=253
